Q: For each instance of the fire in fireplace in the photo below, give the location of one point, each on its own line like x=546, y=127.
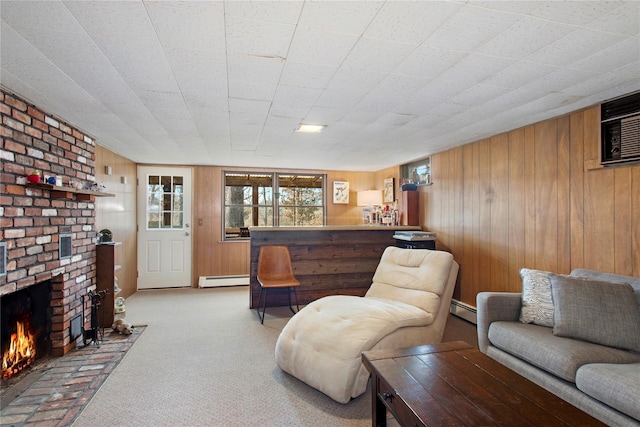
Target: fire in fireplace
x=25, y=328
x=21, y=352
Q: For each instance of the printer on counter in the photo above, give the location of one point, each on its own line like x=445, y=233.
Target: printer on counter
x=415, y=239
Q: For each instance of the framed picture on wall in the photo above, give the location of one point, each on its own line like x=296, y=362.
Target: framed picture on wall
x=341, y=192
x=388, y=191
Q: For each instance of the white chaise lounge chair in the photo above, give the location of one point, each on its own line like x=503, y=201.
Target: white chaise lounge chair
x=406, y=305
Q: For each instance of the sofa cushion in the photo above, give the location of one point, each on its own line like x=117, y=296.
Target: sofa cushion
x=610, y=277
x=537, y=304
x=596, y=311
x=557, y=355
x=615, y=385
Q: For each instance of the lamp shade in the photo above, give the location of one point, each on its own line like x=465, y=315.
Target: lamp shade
x=369, y=197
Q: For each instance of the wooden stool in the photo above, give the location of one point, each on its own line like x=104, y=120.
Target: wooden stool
x=275, y=272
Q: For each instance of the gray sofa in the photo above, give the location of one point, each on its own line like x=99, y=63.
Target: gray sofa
x=598, y=370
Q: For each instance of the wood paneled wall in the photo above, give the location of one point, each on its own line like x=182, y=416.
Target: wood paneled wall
x=214, y=257
x=118, y=214
x=211, y=255
x=327, y=261
x=534, y=197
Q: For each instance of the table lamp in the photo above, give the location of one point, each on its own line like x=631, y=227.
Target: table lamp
x=369, y=198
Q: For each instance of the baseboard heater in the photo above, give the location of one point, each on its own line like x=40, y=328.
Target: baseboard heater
x=464, y=311
x=216, y=281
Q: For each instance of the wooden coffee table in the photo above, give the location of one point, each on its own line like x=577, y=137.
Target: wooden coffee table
x=454, y=384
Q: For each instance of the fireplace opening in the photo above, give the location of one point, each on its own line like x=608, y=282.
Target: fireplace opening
x=25, y=325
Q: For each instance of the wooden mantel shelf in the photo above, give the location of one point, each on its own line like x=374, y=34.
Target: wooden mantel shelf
x=68, y=192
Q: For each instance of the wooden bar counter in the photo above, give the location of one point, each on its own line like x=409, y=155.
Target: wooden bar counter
x=330, y=260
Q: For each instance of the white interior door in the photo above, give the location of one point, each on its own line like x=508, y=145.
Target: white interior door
x=164, y=227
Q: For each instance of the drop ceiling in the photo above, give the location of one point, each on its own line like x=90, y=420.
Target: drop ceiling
x=228, y=82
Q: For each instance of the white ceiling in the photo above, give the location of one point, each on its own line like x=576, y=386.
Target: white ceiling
x=227, y=82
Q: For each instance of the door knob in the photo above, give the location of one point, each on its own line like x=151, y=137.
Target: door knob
x=186, y=233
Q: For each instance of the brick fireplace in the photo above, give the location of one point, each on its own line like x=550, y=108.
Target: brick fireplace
x=33, y=219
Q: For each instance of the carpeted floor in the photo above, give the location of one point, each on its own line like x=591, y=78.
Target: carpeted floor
x=204, y=360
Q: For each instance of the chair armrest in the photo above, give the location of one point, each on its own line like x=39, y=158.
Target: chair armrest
x=494, y=306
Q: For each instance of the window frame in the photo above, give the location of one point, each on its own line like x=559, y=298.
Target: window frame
x=275, y=205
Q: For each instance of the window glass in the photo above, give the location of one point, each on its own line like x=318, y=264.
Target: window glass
x=301, y=200
x=165, y=206
x=253, y=199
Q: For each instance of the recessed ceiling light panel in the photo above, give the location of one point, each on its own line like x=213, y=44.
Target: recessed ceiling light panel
x=310, y=128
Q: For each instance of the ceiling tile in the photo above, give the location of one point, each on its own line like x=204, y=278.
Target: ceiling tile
x=470, y=27
x=524, y=37
x=283, y=12
x=611, y=58
x=119, y=20
x=316, y=47
x=558, y=80
x=410, y=22
x=609, y=84
x=226, y=82
x=618, y=20
x=431, y=96
x=206, y=26
x=261, y=39
x=294, y=102
x=321, y=115
x=518, y=74
x=253, y=77
x=376, y=55
x=306, y=75
x=578, y=44
x=347, y=17
x=475, y=69
x=588, y=11
x=429, y=62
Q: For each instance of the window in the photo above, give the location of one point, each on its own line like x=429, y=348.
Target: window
x=300, y=200
x=271, y=199
x=418, y=172
x=165, y=208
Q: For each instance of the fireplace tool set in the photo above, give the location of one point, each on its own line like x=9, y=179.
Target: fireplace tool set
x=95, y=334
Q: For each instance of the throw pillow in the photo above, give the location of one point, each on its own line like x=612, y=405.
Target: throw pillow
x=600, y=312
x=537, y=305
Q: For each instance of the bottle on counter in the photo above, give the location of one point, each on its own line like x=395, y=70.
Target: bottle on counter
x=386, y=216
x=395, y=214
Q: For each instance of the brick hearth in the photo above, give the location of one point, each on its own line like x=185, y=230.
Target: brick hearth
x=32, y=220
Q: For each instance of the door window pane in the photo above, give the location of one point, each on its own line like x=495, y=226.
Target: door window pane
x=165, y=202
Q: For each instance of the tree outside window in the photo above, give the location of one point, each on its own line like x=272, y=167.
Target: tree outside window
x=266, y=199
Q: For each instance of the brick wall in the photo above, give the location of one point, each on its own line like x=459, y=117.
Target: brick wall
x=32, y=220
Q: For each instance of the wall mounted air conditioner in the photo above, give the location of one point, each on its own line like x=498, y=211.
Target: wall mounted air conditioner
x=620, y=130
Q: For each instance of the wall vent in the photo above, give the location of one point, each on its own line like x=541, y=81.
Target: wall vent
x=65, y=246
x=3, y=259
